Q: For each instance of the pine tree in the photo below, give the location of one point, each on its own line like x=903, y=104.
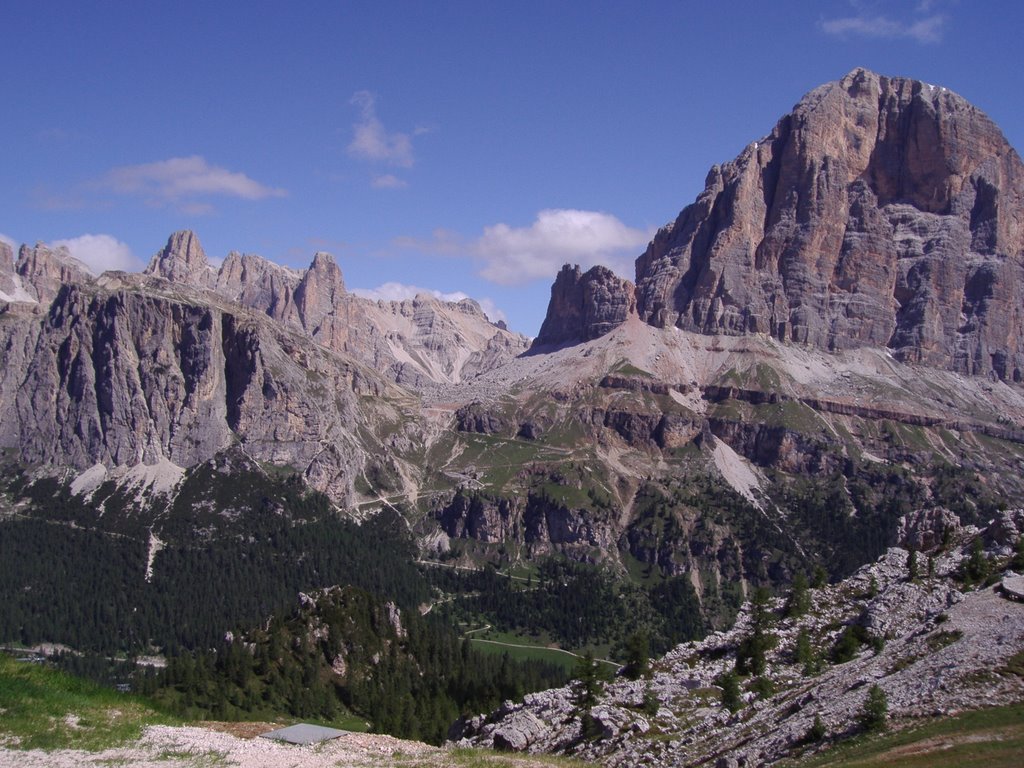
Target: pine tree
x=803, y=653
x=912, y=573
x=751, y=656
x=876, y=709
x=872, y=588
x=588, y=685
x=729, y=682
x=977, y=567
x=817, y=730
x=819, y=578
x=638, y=656
x=799, y=598
x=651, y=704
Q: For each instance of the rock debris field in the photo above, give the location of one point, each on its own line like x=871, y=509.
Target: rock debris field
x=164, y=746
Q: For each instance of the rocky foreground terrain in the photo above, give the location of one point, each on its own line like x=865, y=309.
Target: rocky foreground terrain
x=236, y=744
x=933, y=646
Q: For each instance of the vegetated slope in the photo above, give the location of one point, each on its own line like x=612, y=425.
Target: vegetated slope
x=109, y=574
x=52, y=720
x=921, y=627
x=344, y=651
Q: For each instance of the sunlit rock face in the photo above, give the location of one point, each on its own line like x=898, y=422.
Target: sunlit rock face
x=879, y=212
x=585, y=306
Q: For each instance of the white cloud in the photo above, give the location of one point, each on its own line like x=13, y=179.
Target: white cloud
x=389, y=181
x=371, y=141
x=10, y=241
x=927, y=29
x=516, y=255
x=402, y=292
x=180, y=180
x=101, y=252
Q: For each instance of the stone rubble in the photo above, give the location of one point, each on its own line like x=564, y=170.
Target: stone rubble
x=941, y=649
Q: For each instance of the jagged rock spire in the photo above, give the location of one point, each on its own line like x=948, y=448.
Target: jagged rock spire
x=182, y=260
x=585, y=305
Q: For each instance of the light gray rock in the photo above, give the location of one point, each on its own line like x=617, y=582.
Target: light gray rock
x=518, y=732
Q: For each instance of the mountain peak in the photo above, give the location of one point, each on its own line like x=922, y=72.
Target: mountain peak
x=182, y=260
x=879, y=212
x=585, y=305
x=321, y=288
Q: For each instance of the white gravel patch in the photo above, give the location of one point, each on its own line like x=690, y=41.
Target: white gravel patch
x=162, y=746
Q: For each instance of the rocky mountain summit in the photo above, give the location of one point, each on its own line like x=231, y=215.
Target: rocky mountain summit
x=934, y=646
x=585, y=306
x=880, y=212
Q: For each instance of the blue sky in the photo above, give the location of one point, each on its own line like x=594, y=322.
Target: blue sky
x=461, y=147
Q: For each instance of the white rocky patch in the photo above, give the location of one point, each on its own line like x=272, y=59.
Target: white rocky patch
x=154, y=545
x=91, y=479
x=738, y=472
x=160, y=478
x=19, y=293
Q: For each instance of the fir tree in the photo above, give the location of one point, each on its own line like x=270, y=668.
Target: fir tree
x=638, y=656
x=799, y=598
x=729, y=682
x=876, y=709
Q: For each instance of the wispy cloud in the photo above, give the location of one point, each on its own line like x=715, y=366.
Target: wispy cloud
x=10, y=242
x=925, y=26
x=371, y=141
x=402, y=291
x=517, y=255
x=389, y=181
x=183, y=182
x=101, y=252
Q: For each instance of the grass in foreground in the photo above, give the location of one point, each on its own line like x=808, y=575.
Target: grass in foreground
x=42, y=708
x=985, y=738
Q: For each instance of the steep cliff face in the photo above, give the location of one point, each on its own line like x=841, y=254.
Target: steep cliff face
x=178, y=363
x=259, y=284
x=122, y=377
x=41, y=271
x=880, y=212
x=585, y=306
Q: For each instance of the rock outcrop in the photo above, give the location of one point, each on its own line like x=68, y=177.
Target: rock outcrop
x=183, y=261
x=259, y=284
x=41, y=271
x=585, y=306
x=124, y=377
x=881, y=212
x=934, y=652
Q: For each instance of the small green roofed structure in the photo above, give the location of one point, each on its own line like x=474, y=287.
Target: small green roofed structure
x=303, y=733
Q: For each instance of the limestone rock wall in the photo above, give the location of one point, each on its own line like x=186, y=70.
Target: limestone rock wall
x=880, y=212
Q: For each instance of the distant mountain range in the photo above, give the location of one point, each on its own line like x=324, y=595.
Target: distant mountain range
x=827, y=339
